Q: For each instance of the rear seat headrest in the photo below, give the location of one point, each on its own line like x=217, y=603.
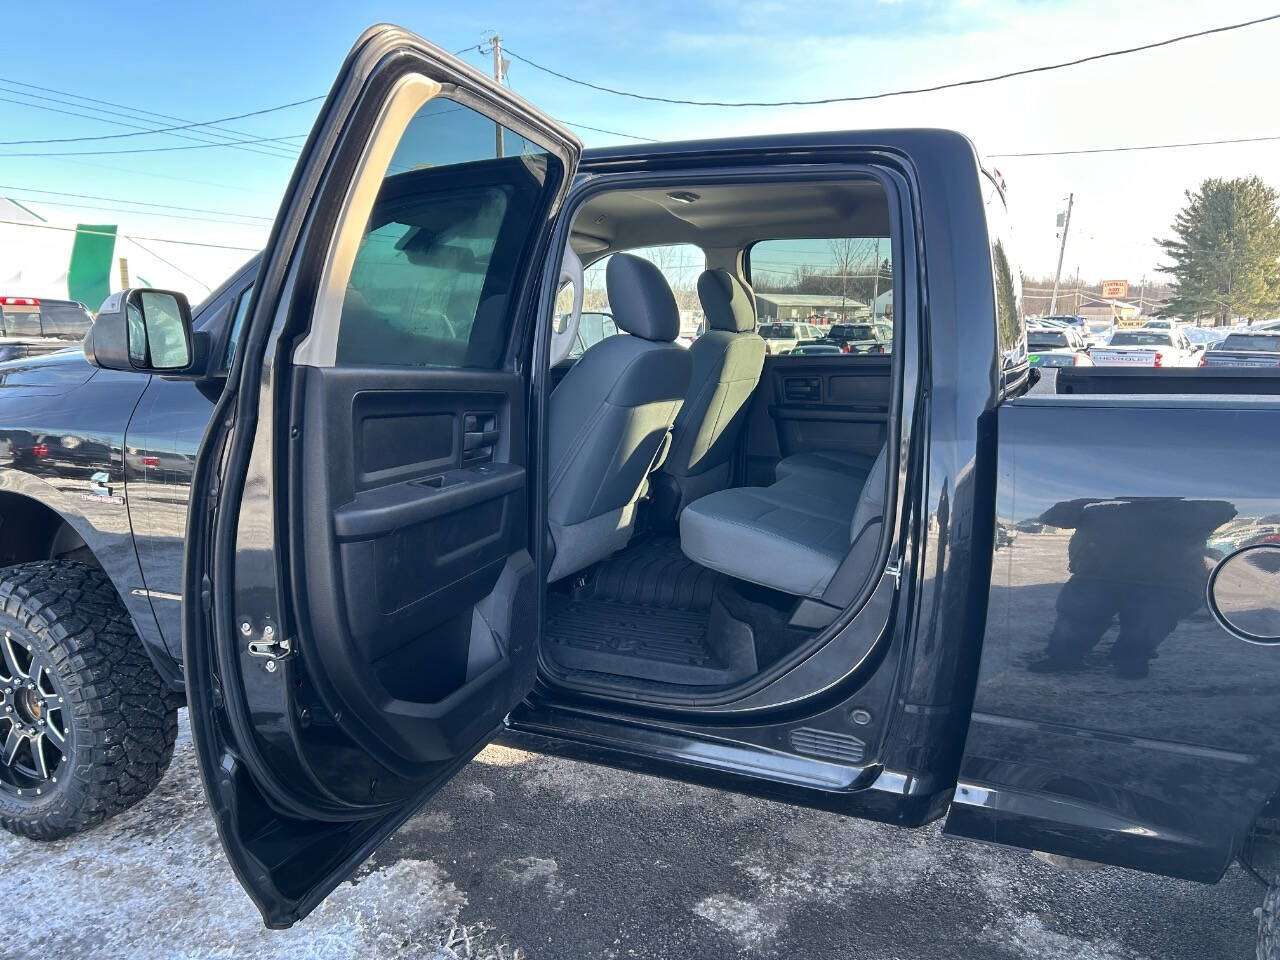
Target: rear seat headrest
x=642, y=302
x=727, y=301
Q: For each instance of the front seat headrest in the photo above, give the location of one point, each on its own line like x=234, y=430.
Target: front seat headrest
x=642, y=302
x=727, y=301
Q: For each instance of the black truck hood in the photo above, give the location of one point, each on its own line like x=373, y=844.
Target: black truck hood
x=51, y=373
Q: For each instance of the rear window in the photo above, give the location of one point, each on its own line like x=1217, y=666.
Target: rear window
x=778, y=331
x=68, y=321
x=1244, y=341
x=1045, y=340
x=1138, y=338
x=853, y=331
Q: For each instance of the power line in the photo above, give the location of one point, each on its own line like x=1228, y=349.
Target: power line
x=122, y=106
x=141, y=203
x=185, y=126
x=1130, y=149
x=118, y=123
x=169, y=263
x=194, y=146
x=162, y=176
x=612, y=133
x=140, y=213
x=894, y=93
x=103, y=233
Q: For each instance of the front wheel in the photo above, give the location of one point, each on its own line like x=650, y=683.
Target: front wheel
x=87, y=726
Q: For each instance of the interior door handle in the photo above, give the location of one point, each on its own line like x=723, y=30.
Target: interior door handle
x=473, y=440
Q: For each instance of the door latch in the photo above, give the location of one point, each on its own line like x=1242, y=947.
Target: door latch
x=268, y=646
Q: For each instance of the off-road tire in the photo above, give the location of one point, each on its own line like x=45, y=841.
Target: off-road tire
x=123, y=717
x=1269, y=925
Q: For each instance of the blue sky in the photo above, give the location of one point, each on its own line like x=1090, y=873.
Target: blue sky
x=200, y=62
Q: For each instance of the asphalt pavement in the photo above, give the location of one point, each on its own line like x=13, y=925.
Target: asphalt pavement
x=527, y=857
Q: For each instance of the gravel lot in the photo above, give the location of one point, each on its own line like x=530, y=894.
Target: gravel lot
x=530, y=857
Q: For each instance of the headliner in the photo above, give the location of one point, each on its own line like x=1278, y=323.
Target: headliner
x=729, y=215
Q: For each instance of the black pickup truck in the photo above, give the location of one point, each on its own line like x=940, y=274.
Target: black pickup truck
x=367, y=509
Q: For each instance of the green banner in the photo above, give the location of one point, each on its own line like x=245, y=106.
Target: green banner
x=89, y=276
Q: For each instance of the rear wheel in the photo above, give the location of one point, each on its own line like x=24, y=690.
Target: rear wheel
x=87, y=726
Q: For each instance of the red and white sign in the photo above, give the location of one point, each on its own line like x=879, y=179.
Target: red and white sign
x=1115, y=289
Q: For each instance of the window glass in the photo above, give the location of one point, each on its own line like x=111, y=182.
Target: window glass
x=237, y=324
x=593, y=327
x=437, y=270
x=1010, y=329
x=680, y=263
x=1243, y=341
x=841, y=287
x=1046, y=340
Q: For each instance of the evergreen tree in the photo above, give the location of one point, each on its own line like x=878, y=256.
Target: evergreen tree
x=1226, y=251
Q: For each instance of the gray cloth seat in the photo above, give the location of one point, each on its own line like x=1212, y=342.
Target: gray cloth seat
x=609, y=420
x=824, y=463
x=727, y=361
x=791, y=536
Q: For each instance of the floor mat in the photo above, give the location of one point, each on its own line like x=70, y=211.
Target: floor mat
x=654, y=572
x=648, y=643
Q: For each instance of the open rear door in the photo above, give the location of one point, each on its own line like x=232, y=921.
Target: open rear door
x=361, y=603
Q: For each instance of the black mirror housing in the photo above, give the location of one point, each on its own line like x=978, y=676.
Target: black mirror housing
x=142, y=330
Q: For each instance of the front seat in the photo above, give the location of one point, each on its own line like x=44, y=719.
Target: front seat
x=727, y=361
x=610, y=418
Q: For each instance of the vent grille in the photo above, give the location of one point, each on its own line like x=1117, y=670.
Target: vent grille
x=828, y=745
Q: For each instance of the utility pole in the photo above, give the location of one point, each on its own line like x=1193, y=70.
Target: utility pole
x=1078, y=292
x=875, y=283
x=1142, y=296
x=497, y=75
x=1062, y=249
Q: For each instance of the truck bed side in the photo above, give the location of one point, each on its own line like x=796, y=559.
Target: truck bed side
x=1112, y=512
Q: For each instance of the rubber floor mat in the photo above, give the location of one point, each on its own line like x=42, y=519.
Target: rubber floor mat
x=648, y=643
x=656, y=573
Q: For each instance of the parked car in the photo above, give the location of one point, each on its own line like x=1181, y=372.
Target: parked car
x=31, y=326
x=1148, y=347
x=401, y=539
x=782, y=338
x=1057, y=347
x=871, y=338
x=1207, y=337
x=1258, y=348
x=818, y=348
x=1161, y=323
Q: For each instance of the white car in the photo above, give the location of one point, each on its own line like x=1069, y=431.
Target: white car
x=1148, y=347
x=780, y=338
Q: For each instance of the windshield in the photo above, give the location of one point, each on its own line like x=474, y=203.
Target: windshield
x=778, y=331
x=1245, y=341
x=1153, y=338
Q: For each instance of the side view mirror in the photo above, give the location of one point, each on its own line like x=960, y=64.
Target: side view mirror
x=143, y=331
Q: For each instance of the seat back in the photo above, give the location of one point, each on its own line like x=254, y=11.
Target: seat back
x=610, y=418
x=727, y=361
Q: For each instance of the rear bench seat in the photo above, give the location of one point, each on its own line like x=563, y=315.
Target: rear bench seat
x=790, y=536
x=843, y=462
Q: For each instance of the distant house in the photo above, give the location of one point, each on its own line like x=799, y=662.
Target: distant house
x=799, y=306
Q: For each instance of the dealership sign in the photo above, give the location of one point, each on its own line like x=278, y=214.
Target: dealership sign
x=1115, y=289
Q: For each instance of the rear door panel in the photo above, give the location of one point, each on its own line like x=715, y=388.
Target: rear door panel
x=359, y=538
